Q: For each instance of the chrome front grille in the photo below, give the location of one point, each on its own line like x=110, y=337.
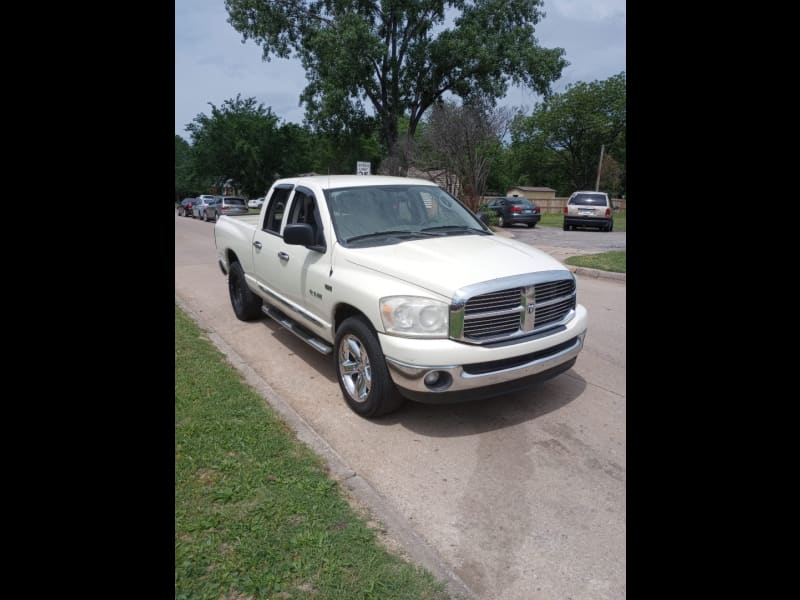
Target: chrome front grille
x=512, y=307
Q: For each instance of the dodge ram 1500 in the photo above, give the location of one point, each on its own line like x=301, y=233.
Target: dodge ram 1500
x=411, y=293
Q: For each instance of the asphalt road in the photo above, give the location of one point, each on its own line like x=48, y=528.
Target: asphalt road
x=562, y=244
x=520, y=497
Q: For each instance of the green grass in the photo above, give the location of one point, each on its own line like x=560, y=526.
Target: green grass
x=557, y=220
x=606, y=261
x=256, y=515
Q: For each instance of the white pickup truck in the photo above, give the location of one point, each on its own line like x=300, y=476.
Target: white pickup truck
x=408, y=290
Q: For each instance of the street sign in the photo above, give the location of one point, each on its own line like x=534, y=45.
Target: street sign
x=363, y=168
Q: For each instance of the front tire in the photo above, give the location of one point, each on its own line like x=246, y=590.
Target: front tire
x=246, y=304
x=361, y=370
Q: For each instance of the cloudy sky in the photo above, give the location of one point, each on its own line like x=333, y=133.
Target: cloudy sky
x=212, y=64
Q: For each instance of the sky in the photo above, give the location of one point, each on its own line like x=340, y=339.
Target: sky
x=212, y=64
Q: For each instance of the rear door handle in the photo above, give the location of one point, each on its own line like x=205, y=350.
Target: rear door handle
x=257, y=245
x=283, y=256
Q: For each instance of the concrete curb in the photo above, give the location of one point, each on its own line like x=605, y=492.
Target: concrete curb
x=597, y=273
x=396, y=525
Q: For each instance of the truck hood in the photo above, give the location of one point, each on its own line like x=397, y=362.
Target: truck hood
x=446, y=264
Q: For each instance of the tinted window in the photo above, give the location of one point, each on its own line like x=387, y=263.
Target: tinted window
x=589, y=199
x=234, y=201
x=277, y=204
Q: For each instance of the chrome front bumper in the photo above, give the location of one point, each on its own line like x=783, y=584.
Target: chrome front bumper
x=455, y=378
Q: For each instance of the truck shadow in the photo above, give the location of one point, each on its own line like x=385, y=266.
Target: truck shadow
x=478, y=416
x=451, y=420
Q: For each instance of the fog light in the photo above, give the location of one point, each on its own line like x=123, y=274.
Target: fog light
x=431, y=378
x=437, y=381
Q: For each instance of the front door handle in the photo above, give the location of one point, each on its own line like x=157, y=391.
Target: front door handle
x=257, y=245
x=283, y=256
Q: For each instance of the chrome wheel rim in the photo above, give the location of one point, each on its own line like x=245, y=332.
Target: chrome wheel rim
x=354, y=368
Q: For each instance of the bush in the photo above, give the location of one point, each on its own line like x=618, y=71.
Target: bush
x=491, y=216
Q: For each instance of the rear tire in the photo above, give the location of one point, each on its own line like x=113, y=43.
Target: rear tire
x=531, y=225
x=246, y=304
x=501, y=221
x=361, y=370
x=205, y=216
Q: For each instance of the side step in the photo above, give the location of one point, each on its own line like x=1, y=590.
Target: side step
x=305, y=335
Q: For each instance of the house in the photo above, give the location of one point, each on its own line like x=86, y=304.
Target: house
x=441, y=177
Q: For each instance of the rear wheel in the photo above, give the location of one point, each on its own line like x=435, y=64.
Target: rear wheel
x=501, y=221
x=361, y=370
x=205, y=216
x=531, y=225
x=246, y=304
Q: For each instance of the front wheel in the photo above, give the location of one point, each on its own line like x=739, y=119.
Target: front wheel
x=246, y=304
x=361, y=369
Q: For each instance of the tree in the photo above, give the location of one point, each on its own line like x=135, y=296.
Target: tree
x=465, y=140
x=566, y=131
x=397, y=56
x=243, y=141
x=184, y=177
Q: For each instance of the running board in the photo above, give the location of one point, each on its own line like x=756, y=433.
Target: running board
x=308, y=337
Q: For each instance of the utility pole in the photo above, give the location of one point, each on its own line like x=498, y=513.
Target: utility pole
x=599, y=166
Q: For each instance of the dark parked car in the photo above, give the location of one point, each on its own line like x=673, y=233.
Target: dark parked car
x=512, y=209
x=226, y=205
x=185, y=207
x=588, y=209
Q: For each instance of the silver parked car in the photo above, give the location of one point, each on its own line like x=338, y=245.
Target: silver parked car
x=199, y=207
x=588, y=209
x=225, y=205
x=255, y=203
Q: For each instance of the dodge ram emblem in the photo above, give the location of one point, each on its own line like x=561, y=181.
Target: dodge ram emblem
x=530, y=308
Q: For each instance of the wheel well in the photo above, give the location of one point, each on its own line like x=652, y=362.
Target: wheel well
x=344, y=311
x=231, y=257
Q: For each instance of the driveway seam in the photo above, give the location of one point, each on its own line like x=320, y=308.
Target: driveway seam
x=396, y=525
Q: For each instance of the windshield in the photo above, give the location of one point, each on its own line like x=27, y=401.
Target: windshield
x=386, y=214
x=589, y=199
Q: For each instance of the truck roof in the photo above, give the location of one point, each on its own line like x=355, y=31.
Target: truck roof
x=338, y=181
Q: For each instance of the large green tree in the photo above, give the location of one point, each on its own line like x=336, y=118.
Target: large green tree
x=397, y=56
x=244, y=141
x=185, y=185
x=562, y=139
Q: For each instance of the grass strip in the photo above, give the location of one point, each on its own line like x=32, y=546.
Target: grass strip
x=256, y=515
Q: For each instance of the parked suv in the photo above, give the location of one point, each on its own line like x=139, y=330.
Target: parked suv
x=199, y=207
x=588, y=209
x=226, y=205
x=513, y=209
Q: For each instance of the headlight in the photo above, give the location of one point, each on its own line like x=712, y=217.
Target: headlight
x=414, y=316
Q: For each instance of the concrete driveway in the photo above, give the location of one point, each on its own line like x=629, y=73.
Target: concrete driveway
x=518, y=497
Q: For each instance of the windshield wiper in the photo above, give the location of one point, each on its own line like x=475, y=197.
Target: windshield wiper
x=388, y=233
x=455, y=229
